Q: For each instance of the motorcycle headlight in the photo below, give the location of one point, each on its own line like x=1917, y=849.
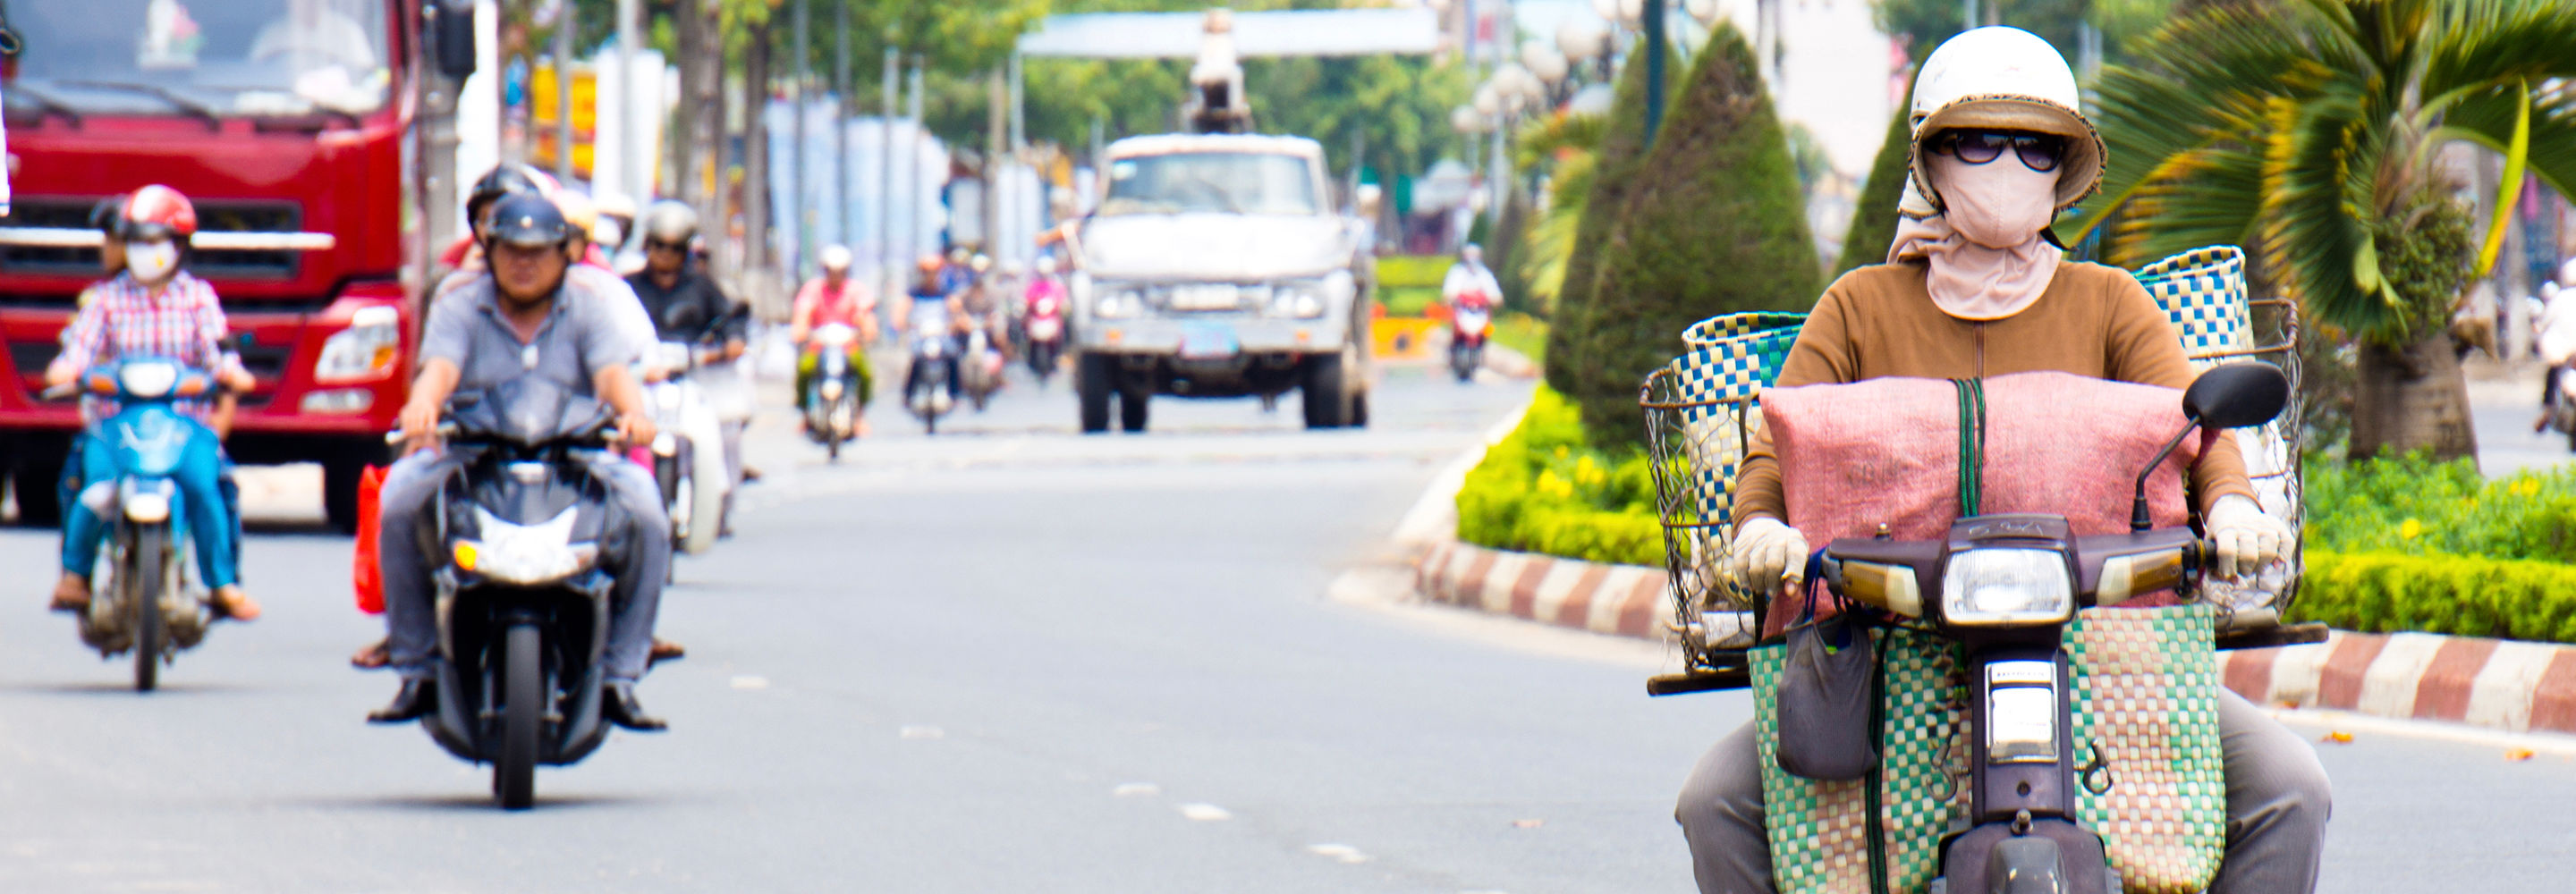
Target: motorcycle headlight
x=2006, y=587
x=527, y=555
x=363, y=352
x=147, y=380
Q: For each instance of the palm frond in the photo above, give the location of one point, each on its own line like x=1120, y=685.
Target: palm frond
x=1545, y=137
x=2486, y=118
x=2209, y=196
x=2322, y=169
x=2489, y=43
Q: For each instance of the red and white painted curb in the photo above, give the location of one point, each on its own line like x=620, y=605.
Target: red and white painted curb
x=1621, y=600
x=2497, y=684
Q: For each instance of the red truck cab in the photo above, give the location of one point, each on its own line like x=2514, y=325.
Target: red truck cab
x=292, y=125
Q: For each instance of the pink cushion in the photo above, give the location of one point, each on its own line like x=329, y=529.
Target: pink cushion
x=1886, y=451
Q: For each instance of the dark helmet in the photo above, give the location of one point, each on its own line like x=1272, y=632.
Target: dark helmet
x=108, y=213
x=157, y=212
x=508, y=179
x=527, y=220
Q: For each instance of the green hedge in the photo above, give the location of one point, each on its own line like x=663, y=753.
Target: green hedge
x=2414, y=505
x=1543, y=489
x=2459, y=595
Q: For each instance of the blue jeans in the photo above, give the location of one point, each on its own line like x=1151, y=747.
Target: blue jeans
x=208, y=499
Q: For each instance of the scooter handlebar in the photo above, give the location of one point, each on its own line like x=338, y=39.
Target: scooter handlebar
x=398, y=436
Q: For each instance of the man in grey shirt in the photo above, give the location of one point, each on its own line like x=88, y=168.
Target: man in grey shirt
x=523, y=318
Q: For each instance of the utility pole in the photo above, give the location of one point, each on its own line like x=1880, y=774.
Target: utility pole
x=1654, y=38
x=565, y=22
x=804, y=80
x=889, y=260
x=630, y=125
x=912, y=186
x=841, y=107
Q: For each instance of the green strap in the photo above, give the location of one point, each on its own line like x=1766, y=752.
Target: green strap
x=1876, y=838
x=1972, y=445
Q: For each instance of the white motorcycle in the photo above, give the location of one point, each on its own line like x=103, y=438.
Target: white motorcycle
x=688, y=448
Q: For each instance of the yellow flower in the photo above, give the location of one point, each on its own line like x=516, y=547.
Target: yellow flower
x=2410, y=530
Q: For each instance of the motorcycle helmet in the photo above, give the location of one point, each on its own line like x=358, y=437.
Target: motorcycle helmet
x=157, y=212
x=929, y=264
x=2004, y=78
x=980, y=264
x=1046, y=265
x=580, y=215
x=505, y=180
x=614, y=205
x=670, y=223
x=834, y=257
x=526, y=220
x=105, y=215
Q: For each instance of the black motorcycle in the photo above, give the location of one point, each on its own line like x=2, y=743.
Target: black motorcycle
x=523, y=604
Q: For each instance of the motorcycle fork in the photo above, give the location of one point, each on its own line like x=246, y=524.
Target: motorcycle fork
x=2022, y=824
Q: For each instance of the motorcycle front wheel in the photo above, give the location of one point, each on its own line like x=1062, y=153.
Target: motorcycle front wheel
x=143, y=576
x=523, y=684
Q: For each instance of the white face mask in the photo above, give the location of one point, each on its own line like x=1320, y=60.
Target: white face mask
x=152, y=262
x=1999, y=204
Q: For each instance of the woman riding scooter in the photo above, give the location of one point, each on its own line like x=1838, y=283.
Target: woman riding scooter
x=833, y=298
x=1976, y=287
x=155, y=308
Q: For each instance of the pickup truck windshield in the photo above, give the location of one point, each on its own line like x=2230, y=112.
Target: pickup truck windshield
x=200, y=58
x=1211, y=182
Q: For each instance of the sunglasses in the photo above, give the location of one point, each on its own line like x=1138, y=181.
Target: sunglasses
x=659, y=245
x=2039, y=152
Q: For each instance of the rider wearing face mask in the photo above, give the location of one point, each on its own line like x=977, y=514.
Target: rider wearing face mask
x=154, y=308
x=1975, y=287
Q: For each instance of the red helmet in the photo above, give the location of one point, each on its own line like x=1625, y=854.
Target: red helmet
x=157, y=211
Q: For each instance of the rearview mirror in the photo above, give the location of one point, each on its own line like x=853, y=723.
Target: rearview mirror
x=2237, y=395
x=451, y=25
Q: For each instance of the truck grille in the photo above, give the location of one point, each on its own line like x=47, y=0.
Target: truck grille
x=212, y=216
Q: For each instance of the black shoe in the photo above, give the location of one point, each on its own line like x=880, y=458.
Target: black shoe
x=412, y=702
x=618, y=704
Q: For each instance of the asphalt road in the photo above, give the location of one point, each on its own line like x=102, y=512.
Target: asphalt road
x=1011, y=658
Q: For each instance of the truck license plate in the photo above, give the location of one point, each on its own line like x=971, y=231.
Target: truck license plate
x=1205, y=296
x=1207, y=341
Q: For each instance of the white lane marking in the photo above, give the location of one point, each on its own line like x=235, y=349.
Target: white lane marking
x=747, y=681
x=1342, y=852
x=1135, y=790
x=920, y=731
x=1205, y=813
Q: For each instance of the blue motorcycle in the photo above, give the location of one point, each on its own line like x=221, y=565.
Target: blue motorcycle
x=145, y=602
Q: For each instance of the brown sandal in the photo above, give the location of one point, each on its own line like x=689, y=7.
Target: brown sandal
x=71, y=594
x=233, y=602
x=376, y=656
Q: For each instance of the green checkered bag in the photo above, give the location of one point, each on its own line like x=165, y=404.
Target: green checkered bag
x=2203, y=295
x=2145, y=690
x=1732, y=358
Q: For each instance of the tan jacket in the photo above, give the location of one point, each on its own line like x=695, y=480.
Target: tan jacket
x=1877, y=321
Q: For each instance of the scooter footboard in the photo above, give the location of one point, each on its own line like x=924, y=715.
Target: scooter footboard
x=2143, y=697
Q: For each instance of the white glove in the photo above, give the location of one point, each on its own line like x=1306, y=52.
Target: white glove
x=2246, y=537
x=1768, y=555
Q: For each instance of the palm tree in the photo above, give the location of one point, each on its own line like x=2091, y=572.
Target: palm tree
x=2309, y=131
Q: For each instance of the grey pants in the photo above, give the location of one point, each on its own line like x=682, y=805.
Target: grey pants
x=733, y=470
x=411, y=621
x=2277, y=803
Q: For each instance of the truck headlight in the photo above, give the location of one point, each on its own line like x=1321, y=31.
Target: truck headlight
x=1118, y=304
x=363, y=352
x=527, y=555
x=2000, y=587
x=1302, y=300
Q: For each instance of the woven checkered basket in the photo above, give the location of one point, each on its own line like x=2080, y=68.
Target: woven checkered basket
x=2203, y=294
x=2144, y=690
x=1701, y=409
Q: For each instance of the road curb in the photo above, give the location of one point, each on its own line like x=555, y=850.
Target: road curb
x=2496, y=684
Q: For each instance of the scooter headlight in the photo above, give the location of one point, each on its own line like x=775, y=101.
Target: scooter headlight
x=2002, y=587
x=145, y=502
x=527, y=555
x=147, y=380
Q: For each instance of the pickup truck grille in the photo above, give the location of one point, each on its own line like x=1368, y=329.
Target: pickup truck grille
x=212, y=216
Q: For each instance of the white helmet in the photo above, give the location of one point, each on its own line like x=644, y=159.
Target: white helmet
x=1046, y=265
x=2567, y=273
x=834, y=257
x=2005, y=78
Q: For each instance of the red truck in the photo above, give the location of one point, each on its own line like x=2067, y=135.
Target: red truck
x=310, y=135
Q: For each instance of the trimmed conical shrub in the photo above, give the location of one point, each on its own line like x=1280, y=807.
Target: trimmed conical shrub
x=1623, y=148
x=1873, y=225
x=1713, y=223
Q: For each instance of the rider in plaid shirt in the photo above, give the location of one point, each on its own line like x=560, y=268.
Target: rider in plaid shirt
x=155, y=309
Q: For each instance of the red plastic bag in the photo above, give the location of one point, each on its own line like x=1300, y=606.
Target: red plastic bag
x=367, y=572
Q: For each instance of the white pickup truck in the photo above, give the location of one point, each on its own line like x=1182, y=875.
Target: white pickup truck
x=1217, y=266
